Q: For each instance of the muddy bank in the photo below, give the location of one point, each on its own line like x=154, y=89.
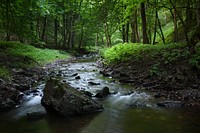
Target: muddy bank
x=174, y=81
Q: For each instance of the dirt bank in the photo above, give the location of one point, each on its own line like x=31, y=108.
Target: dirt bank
x=174, y=80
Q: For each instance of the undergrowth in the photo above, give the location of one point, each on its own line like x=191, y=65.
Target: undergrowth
x=136, y=52
x=18, y=55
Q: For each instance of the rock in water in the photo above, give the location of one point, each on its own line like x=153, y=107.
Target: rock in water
x=103, y=93
x=66, y=100
x=170, y=104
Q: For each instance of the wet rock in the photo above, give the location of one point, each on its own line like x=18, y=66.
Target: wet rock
x=22, y=87
x=171, y=104
x=66, y=100
x=9, y=97
x=37, y=112
x=190, y=95
x=137, y=104
x=75, y=74
x=2, y=82
x=87, y=93
x=103, y=93
x=113, y=92
x=77, y=77
x=93, y=83
x=128, y=93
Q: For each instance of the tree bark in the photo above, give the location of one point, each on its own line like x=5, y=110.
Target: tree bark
x=160, y=27
x=144, y=24
x=44, y=28
x=55, y=32
x=108, y=37
x=127, y=33
x=181, y=20
x=198, y=12
x=123, y=33
x=97, y=40
x=174, y=15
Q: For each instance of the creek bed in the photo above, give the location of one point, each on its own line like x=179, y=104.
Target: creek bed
x=127, y=111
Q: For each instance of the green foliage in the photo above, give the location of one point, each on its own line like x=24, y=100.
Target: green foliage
x=29, y=55
x=136, y=52
x=155, y=70
x=175, y=54
x=195, y=60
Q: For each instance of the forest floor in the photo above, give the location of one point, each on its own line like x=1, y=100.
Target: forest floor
x=169, y=73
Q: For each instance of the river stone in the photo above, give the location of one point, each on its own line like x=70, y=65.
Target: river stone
x=67, y=101
x=37, y=112
x=9, y=97
x=170, y=104
x=103, y=93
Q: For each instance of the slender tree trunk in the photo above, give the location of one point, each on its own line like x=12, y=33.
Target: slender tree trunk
x=55, y=32
x=155, y=28
x=81, y=39
x=64, y=31
x=198, y=12
x=108, y=37
x=44, y=28
x=188, y=15
x=144, y=24
x=133, y=34
x=7, y=38
x=174, y=15
x=97, y=40
x=102, y=40
x=136, y=27
x=127, y=32
x=123, y=33
x=160, y=27
x=182, y=21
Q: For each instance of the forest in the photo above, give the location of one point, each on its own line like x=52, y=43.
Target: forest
x=79, y=23
x=85, y=66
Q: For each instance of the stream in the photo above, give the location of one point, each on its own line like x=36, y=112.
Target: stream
x=127, y=110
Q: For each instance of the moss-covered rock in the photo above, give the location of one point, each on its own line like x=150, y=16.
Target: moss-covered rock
x=66, y=100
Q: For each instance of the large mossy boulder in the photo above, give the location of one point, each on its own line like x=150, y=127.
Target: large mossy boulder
x=66, y=100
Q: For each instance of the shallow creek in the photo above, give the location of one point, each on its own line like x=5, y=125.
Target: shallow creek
x=126, y=111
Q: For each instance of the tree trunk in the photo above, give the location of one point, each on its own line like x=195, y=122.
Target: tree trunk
x=64, y=31
x=127, y=33
x=160, y=27
x=123, y=33
x=198, y=12
x=7, y=38
x=96, y=40
x=174, y=15
x=44, y=28
x=55, y=32
x=181, y=20
x=144, y=24
x=155, y=28
x=108, y=37
x=81, y=39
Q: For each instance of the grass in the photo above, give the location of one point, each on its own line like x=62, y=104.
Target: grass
x=18, y=55
x=131, y=51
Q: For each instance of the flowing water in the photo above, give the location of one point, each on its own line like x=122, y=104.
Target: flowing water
x=126, y=111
